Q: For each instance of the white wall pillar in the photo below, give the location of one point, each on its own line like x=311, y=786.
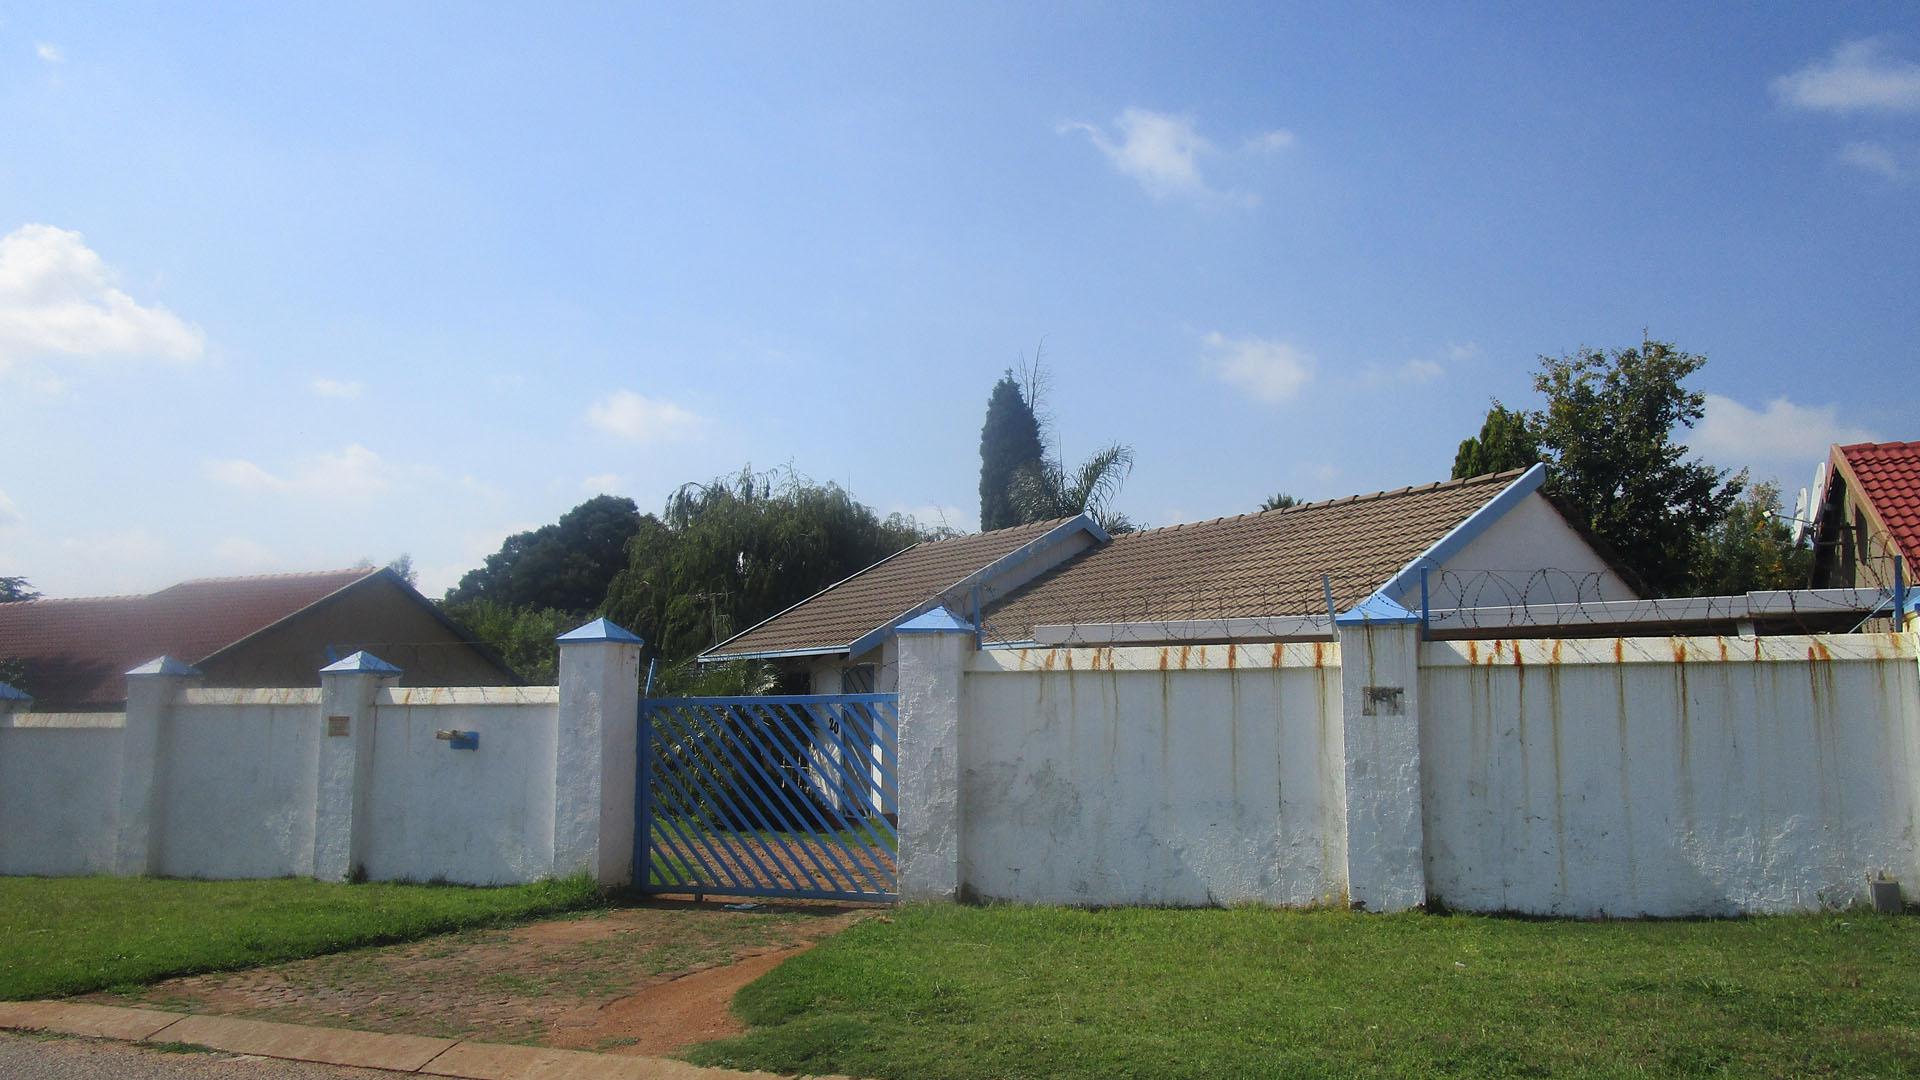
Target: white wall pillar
x=933, y=654
x=345, y=773
x=595, y=754
x=151, y=690
x=1380, y=710
x=829, y=784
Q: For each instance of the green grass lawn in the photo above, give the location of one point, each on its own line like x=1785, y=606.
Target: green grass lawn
x=1045, y=992
x=71, y=935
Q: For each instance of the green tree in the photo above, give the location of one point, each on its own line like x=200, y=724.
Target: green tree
x=1009, y=442
x=565, y=566
x=1278, y=501
x=16, y=588
x=1608, y=433
x=1506, y=441
x=403, y=566
x=523, y=636
x=728, y=554
x=1045, y=489
x=1751, y=549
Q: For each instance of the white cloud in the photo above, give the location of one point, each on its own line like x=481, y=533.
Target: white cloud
x=642, y=419
x=126, y=551
x=58, y=299
x=1416, y=371
x=10, y=516
x=1859, y=75
x=1463, y=350
x=1781, y=436
x=351, y=472
x=1268, y=142
x=1163, y=152
x=49, y=52
x=1273, y=371
x=601, y=483
x=1875, y=158
x=336, y=388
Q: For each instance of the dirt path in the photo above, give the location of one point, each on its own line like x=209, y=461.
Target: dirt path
x=648, y=979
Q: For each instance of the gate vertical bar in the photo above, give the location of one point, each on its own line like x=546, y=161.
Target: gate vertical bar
x=643, y=799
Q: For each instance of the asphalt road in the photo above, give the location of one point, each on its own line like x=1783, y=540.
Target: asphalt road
x=30, y=1057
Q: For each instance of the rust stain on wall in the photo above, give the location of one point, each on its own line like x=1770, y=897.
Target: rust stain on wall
x=1473, y=652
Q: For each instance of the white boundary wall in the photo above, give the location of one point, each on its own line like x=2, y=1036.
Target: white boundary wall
x=234, y=783
x=1179, y=775
x=1668, y=776
x=1614, y=776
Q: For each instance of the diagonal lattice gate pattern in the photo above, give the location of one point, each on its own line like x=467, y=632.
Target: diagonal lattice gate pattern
x=768, y=796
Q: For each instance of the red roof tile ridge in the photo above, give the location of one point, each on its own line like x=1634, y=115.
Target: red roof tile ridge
x=113, y=598
x=362, y=571
x=1417, y=489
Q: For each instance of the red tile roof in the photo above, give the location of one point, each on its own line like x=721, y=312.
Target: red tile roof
x=1888, y=479
x=77, y=651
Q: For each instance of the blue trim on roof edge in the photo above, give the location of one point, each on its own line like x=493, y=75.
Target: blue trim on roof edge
x=1464, y=533
x=600, y=630
x=165, y=665
x=1081, y=522
x=360, y=663
x=938, y=621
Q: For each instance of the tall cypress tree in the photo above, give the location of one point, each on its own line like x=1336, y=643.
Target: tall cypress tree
x=1009, y=442
x=1505, y=442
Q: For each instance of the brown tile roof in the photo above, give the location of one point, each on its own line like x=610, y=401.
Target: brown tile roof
x=1888, y=476
x=1248, y=566
x=78, y=651
x=840, y=614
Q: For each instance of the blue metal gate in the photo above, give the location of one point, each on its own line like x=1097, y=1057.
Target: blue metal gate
x=767, y=796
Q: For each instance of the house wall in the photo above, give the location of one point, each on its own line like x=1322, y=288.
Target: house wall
x=261, y=782
x=1669, y=776
x=235, y=783
x=59, y=787
x=483, y=816
x=1198, y=775
x=1615, y=776
x=1530, y=555
x=405, y=635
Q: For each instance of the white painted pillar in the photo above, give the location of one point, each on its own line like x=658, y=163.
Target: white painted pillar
x=933, y=654
x=345, y=776
x=596, y=752
x=1380, y=711
x=151, y=690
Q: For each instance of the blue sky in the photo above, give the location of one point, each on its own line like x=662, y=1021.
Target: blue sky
x=280, y=290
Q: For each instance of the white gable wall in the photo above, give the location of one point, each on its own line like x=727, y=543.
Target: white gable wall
x=1529, y=555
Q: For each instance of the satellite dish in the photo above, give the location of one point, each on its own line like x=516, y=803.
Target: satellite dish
x=1804, y=523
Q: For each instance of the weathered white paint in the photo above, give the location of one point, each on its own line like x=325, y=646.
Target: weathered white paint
x=150, y=697
x=1380, y=718
x=237, y=782
x=59, y=792
x=236, y=789
x=344, y=773
x=595, y=747
x=1669, y=776
x=478, y=817
x=1171, y=775
x=931, y=667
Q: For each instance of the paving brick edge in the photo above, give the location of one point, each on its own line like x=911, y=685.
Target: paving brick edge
x=461, y=1059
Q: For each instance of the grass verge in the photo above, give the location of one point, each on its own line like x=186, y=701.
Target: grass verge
x=70, y=935
x=1005, y=991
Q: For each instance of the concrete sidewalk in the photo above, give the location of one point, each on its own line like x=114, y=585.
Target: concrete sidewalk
x=361, y=1049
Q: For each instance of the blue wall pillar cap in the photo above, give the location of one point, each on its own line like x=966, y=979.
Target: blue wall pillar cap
x=9, y=692
x=360, y=663
x=937, y=621
x=165, y=665
x=1376, y=609
x=600, y=630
